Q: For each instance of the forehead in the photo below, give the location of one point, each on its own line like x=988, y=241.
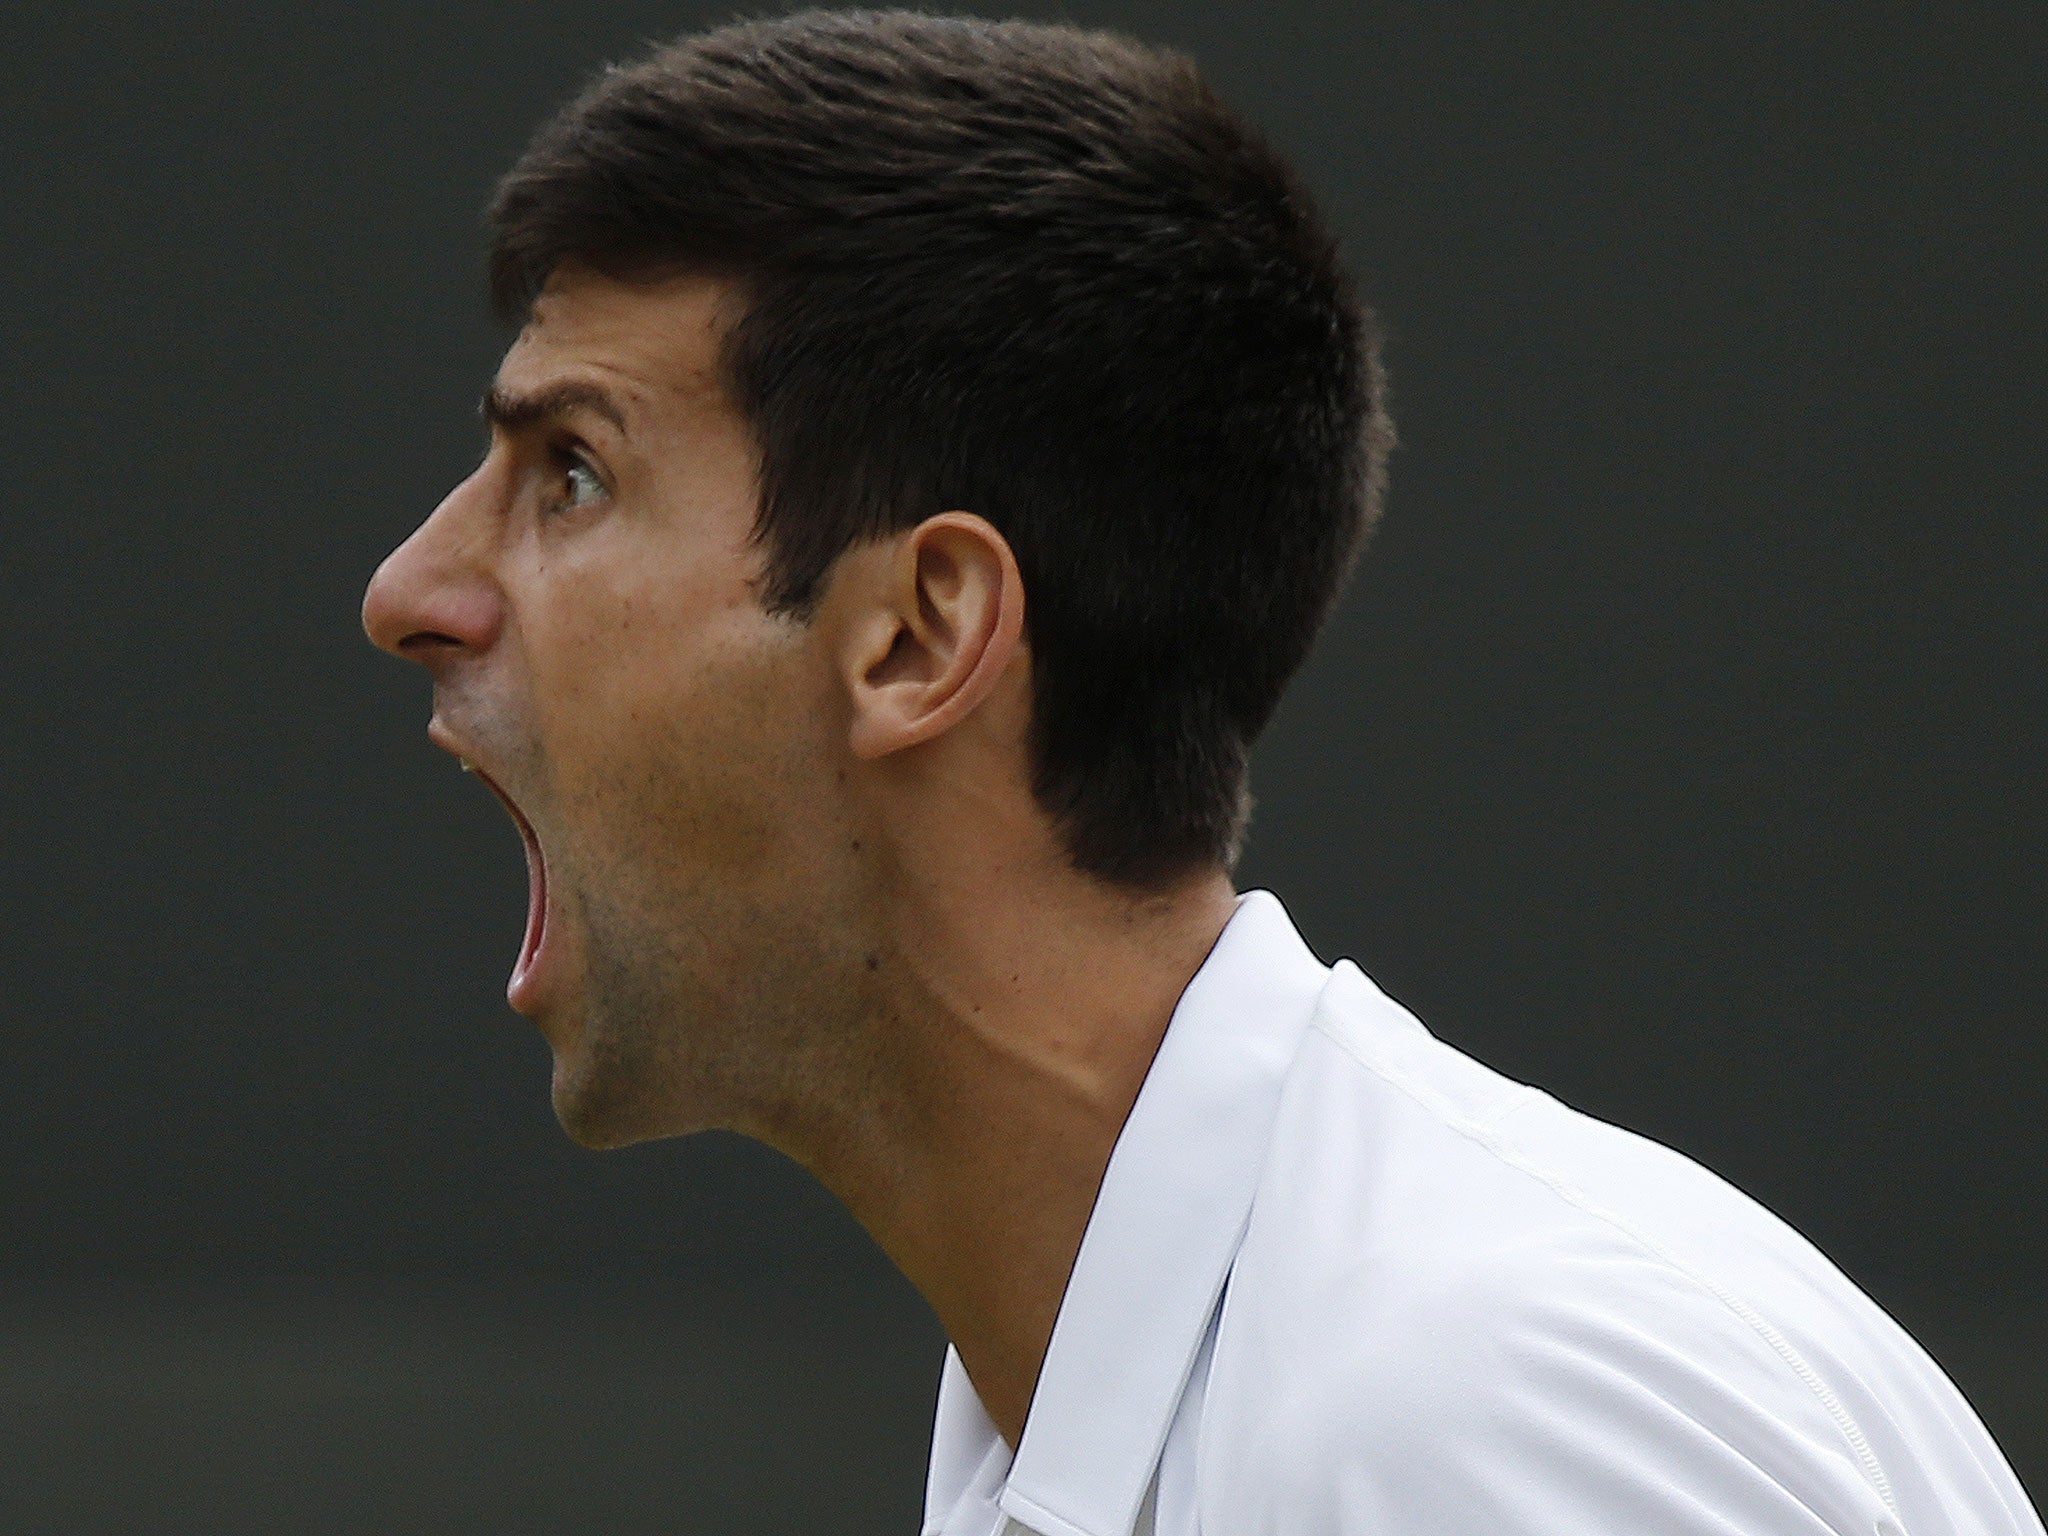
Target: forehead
x=653, y=345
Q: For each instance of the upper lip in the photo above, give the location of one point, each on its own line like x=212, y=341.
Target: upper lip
x=449, y=742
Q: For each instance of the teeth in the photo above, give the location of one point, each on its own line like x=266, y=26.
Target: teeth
x=467, y=765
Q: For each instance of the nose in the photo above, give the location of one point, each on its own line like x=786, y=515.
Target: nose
x=434, y=598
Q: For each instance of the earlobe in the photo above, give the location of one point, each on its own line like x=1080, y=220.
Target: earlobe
x=943, y=621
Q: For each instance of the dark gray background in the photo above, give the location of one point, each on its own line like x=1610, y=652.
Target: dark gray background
x=1677, y=747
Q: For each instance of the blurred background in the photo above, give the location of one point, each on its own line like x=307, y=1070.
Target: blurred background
x=1677, y=747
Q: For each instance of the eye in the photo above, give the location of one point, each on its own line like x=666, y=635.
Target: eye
x=582, y=484
x=577, y=484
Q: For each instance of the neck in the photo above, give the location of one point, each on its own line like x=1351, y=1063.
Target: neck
x=1016, y=1028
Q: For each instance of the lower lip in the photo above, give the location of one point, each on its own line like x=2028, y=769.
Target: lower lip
x=524, y=990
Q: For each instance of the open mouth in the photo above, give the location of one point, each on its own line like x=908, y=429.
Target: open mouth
x=521, y=983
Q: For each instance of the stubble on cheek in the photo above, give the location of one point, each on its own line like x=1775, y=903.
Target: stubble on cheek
x=621, y=1078
x=713, y=928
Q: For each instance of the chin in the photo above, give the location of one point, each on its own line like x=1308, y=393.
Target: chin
x=601, y=1110
x=593, y=1133
x=594, y=1120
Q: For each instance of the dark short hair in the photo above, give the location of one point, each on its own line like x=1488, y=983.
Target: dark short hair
x=1028, y=271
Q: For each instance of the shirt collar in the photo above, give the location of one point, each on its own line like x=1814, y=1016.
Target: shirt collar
x=1159, y=1244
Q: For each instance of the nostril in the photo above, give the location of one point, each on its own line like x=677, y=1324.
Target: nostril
x=432, y=649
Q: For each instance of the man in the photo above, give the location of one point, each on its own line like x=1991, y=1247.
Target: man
x=929, y=449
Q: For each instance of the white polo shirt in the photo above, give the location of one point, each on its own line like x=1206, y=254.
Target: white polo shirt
x=1340, y=1277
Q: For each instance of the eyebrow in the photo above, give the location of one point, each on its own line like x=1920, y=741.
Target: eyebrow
x=513, y=413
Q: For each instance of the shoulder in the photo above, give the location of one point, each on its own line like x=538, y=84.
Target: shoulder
x=1562, y=1384
x=1432, y=1327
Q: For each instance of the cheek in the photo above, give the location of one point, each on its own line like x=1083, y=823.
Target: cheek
x=608, y=652
x=726, y=771
x=687, y=751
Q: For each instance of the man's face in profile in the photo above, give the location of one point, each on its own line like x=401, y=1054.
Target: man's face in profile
x=587, y=604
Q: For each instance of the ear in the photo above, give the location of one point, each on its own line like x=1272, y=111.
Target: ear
x=941, y=619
